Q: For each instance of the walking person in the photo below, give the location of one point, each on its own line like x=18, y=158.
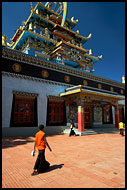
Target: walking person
x=40, y=143
x=121, y=128
x=72, y=132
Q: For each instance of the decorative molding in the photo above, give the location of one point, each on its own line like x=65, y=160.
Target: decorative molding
x=85, y=83
x=100, y=86
x=121, y=91
x=26, y=94
x=16, y=67
x=35, y=79
x=111, y=89
x=7, y=53
x=44, y=73
x=55, y=98
x=67, y=78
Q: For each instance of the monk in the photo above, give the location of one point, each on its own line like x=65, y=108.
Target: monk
x=40, y=143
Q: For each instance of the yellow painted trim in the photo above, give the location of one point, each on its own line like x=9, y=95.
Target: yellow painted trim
x=15, y=34
x=86, y=93
x=29, y=17
x=92, y=57
x=59, y=48
x=44, y=18
x=86, y=38
x=71, y=45
x=70, y=93
x=54, y=12
x=18, y=40
x=100, y=95
x=11, y=44
x=36, y=34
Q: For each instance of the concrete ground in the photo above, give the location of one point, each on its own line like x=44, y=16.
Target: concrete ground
x=90, y=161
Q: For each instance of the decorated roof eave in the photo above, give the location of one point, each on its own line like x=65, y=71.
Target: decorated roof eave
x=70, y=31
x=93, y=58
x=16, y=33
x=34, y=34
x=68, y=20
x=41, y=17
x=93, y=93
x=71, y=45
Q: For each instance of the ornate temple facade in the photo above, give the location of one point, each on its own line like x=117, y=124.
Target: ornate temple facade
x=47, y=76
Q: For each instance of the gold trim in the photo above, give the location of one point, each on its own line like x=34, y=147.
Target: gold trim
x=70, y=93
x=54, y=12
x=16, y=67
x=85, y=83
x=18, y=39
x=53, y=41
x=71, y=45
x=67, y=78
x=26, y=94
x=100, y=86
x=91, y=56
x=111, y=89
x=92, y=94
x=82, y=37
x=44, y=73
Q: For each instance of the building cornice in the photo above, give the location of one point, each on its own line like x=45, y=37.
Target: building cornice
x=7, y=53
x=35, y=79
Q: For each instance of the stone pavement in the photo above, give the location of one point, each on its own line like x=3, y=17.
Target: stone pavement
x=90, y=161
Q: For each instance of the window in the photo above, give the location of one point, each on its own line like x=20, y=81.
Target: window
x=55, y=112
x=23, y=111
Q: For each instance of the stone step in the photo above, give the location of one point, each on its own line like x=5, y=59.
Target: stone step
x=93, y=131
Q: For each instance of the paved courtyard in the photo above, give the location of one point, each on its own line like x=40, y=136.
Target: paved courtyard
x=90, y=161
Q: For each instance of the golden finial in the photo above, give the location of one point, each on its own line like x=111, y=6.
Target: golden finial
x=123, y=79
x=31, y=6
x=90, y=52
x=4, y=40
x=89, y=35
x=72, y=19
x=100, y=57
x=77, y=31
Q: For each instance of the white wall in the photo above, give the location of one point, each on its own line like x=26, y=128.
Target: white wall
x=44, y=89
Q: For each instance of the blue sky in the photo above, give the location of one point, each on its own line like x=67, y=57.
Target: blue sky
x=105, y=20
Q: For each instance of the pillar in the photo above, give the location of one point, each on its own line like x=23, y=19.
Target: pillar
x=80, y=118
x=117, y=119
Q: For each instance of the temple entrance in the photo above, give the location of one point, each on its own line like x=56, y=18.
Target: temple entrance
x=87, y=117
x=107, y=115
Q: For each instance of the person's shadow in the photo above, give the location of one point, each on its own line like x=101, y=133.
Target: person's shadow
x=54, y=167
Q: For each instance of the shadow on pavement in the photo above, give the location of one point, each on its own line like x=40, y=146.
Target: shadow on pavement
x=12, y=142
x=54, y=167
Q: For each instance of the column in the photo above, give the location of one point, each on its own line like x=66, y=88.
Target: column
x=124, y=113
x=117, y=119
x=80, y=119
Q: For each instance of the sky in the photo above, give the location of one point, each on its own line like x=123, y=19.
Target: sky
x=105, y=20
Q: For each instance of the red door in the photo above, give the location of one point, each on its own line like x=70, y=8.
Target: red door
x=87, y=117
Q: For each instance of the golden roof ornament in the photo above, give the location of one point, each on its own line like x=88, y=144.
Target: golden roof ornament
x=90, y=52
x=100, y=57
x=89, y=35
x=123, y=79
x=77, y=31
x=72, y=19
x=4, y=40
x=31, y=6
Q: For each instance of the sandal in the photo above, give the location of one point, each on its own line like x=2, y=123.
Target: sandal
x=34, y=173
